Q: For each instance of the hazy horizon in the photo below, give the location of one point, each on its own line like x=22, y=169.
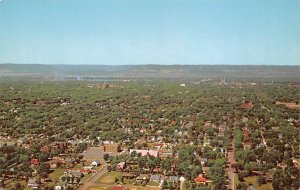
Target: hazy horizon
x=149, y=64
x=150, y=32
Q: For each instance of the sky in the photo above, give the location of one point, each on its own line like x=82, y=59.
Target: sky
x=127, y=32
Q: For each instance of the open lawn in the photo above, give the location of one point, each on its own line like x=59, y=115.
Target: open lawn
x=86, y=177
x=153, y=183
x=109, y=178
x=57, y=173
x=11, y=184
x=252, y=180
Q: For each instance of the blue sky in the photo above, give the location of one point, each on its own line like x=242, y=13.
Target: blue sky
x=123, y=32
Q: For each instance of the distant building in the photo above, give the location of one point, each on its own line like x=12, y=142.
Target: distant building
x=113, y=147
x=165, y=154
x=145, y=152
x=62, y=146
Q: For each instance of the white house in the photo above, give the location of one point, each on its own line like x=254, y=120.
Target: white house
x=33, y=183
x=95, y=163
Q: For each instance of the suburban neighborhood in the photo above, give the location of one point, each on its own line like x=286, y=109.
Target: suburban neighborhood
x=215, y=135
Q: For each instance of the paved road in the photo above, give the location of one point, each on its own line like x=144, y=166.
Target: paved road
x=230, y=170
x=263, y=139
x=182, y=184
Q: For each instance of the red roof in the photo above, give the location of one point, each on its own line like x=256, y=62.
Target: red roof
x=247, y=105
x=246, y=133
x=85, y=171
x=200, y=179
x=118, y=188
x=35, y=161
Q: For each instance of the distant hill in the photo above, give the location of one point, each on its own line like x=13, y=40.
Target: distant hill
x=187, y=72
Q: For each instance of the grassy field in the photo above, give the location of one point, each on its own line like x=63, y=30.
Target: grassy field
x=57, y=173
x=11, y=184
x=86, y=177
x=252, y=180
x=109, y=178
x=153, y=183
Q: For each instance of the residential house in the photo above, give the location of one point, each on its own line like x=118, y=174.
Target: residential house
x=248, y=105
x=45, y=149
x=34, y=161
x=247, y=145
x=200, y=179
x=33, y=183
x=54, y=163
x=60, y=186
x=121, y=165
x=69, y=161
x=62, y=146
x=76, y=174
x=155, y=178
x=95, y=163
x=156, y=170
x=245, y=119
x=203, y=161
x=174, y=179
x=85, y=170
x=142, y=177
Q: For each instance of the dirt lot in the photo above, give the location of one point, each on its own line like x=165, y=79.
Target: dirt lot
x=94, y=153
x=290, y=105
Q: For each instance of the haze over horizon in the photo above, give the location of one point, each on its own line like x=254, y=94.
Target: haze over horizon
x=134, y=32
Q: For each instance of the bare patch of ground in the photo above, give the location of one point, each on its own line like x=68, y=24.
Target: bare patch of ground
x=290, y=105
